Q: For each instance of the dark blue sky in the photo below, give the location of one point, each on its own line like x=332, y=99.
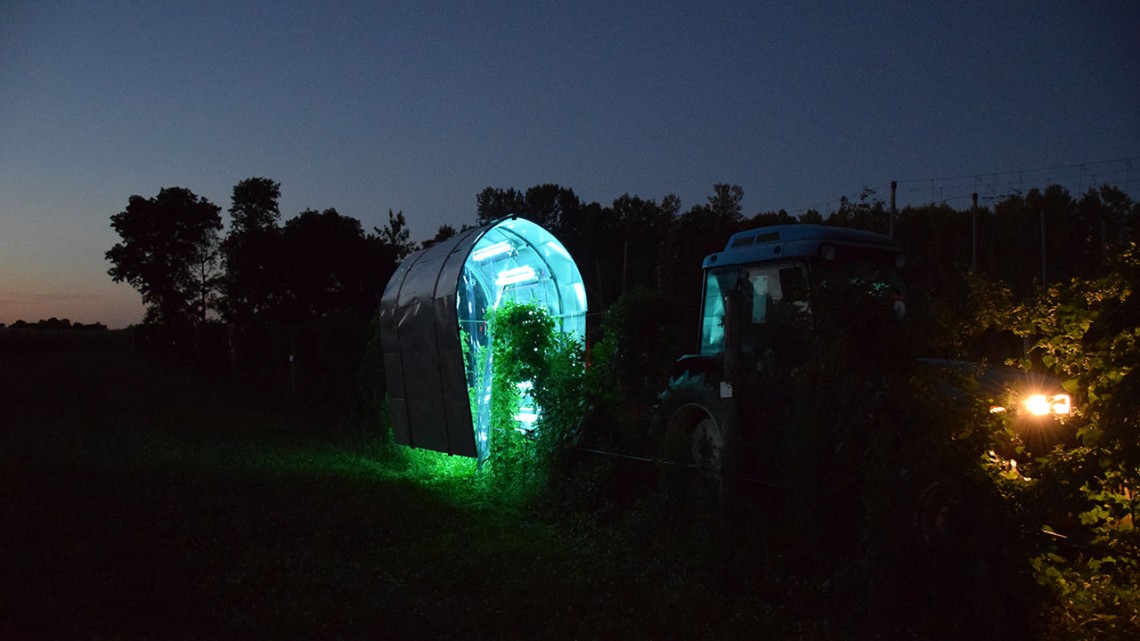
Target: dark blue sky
x=417, y=106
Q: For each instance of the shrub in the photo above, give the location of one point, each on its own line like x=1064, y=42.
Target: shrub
x=1089, y=332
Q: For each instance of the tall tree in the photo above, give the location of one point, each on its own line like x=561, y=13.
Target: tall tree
x=443, y=233
x=254, y=204
x=169, y=243
x=645, y=229
x=701, y=230
x=251, y=250
x=725, y=204
x=549, y=205
x=1105, y=218
x=396, y=235
x=780, y=217
x=493, y=203
x=868, y=212
x=331, y=265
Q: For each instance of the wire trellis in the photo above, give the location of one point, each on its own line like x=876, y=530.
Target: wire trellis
x=992, y=187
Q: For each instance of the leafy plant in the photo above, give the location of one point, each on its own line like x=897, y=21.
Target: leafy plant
x=641, y=337
x=530, y=362
x=1089, y=332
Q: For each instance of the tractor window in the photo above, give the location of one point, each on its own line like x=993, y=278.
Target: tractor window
x=759, y=297
x=712, y=317
x=872, y=271
x=762, y=285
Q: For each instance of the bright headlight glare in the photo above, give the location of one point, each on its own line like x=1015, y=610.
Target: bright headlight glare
x=1042, y=405
x=1038, y=405
x=1061, y=404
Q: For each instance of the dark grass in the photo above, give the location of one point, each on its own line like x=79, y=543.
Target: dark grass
x=140, y=502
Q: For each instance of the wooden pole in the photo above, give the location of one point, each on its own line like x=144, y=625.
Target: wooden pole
x=974, y=234
x=1044, y=282
x=891, y=223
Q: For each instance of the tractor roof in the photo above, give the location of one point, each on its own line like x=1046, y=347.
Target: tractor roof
x=794, y=241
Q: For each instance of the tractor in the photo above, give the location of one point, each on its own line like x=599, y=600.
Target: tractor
x=716, y=416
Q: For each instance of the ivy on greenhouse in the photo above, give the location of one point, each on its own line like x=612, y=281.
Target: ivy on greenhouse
x=534, y=373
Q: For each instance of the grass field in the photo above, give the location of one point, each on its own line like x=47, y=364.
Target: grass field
x=137, y=502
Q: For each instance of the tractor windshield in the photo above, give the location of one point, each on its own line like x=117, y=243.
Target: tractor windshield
x=764, y=287
x=775, y=293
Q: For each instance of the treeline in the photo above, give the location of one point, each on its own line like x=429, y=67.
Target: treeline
x=57, y=335
x=255, y=299
x=1024, y=241
x=318, y=262
x=56, y=324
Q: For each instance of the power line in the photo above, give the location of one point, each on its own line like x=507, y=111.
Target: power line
x=1124, y=173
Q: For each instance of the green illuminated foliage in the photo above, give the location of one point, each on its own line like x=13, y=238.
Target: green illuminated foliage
x=1087, y=331
x=529, y=358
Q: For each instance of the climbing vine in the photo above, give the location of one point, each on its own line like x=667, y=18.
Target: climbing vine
x=531, y=363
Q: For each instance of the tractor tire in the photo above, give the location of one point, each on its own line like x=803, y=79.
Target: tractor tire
x=690, y=423
x=940, y=520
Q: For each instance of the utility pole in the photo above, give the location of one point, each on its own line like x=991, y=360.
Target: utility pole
x=891, y=220
x=1043, y=280
x=974, y=234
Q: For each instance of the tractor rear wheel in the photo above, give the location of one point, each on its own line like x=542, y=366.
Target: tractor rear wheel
x=692, y=450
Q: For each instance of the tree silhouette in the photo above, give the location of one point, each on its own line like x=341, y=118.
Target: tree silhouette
x=868, y=212
x=724, y=204
x=644, y=233
x=396, y=235
x=493, y=203
x=331, y=265
x=168, y=248
x=691, y=236
x=251, y=250
x=549, y=205
x=443, y=233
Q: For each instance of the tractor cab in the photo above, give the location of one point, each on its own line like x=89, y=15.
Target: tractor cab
x=770, y=268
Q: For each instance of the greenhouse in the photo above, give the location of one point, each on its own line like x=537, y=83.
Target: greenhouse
x=433, y=321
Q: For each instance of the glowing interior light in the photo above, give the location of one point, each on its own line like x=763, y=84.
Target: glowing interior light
x=527, y=414
x=490, y=251
x=1038, y=405
x=515, y=275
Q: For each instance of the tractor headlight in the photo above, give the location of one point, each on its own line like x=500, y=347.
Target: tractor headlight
x=1043, y=405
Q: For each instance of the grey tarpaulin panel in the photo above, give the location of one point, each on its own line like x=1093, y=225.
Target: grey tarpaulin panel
x=423, y=360
x=441, y=296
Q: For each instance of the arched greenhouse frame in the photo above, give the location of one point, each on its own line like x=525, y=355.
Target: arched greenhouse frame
x=433, y=320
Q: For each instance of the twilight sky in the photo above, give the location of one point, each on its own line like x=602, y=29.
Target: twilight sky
x=417, y=106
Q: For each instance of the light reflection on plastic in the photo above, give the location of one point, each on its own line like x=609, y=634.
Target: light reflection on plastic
x=515, y=275
x=557, y=248
x=580, y=294
x=490, y=251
